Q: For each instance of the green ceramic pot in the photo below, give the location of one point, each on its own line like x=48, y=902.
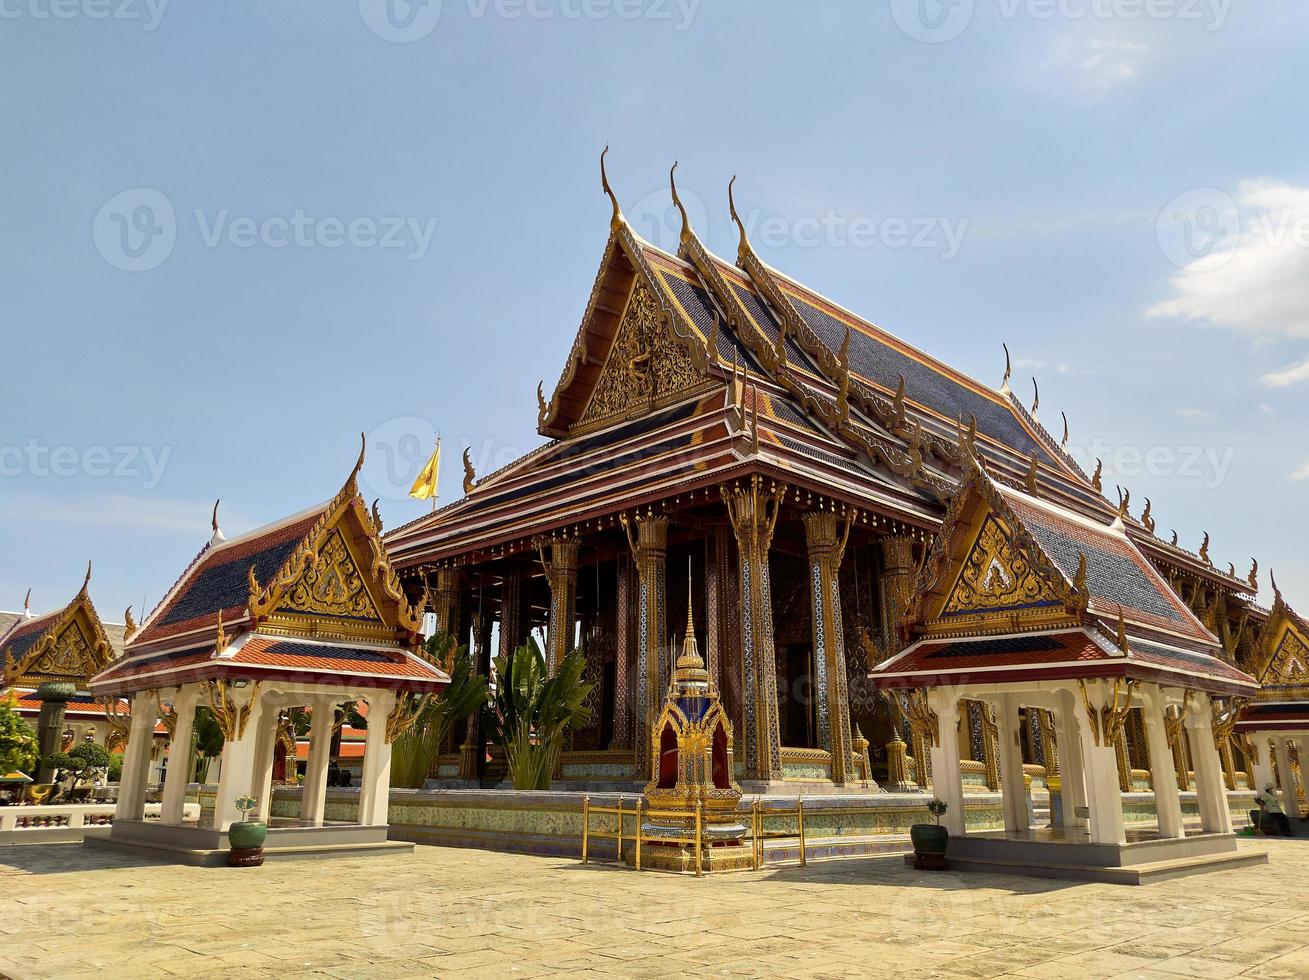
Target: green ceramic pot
x=251, y=833
x=928, y=838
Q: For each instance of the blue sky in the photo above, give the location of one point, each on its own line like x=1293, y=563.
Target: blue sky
x=235, y=235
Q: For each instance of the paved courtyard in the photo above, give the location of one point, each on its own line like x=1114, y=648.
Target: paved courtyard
x=66, y=911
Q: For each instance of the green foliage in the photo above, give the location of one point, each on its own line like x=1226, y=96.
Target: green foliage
x=81, y=762
x=208, y=741
x=937, y=808
x=18, y=748
x=115, y=768
x=414, y=753
x=530, y=713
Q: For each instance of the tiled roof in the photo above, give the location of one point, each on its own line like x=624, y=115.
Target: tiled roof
x=23, y=635
x=332, y=658
x=1074, y=650
x=1116, y=572
x=218, y=580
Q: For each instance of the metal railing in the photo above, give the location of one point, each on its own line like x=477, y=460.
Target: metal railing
x=758, y=833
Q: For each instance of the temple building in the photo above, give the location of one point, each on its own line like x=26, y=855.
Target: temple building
x=307, y=613
x=1274, y=728
x=47, y=661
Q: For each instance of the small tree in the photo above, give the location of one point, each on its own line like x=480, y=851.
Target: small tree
x=81, y=763
x=414, y=753
x=208, y=739
x=18, y=748
x=530, y=714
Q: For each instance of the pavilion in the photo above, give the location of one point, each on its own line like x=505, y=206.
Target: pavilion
x=1275, y=726
x=1026, y=606
x=304, y=613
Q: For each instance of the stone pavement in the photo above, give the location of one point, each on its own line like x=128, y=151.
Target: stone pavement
x=66, y=911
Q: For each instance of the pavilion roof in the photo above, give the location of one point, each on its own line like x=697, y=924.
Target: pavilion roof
x=310, y=597
x=67, y=644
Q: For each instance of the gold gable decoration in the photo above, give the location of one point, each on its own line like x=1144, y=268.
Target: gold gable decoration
x=646, y=364
x=331, y=585
x=997, y=575
x=74, y=648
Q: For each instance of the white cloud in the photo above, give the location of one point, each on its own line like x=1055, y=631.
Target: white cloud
x=1284, y=379
x=1259, y=282
x=1302, y=473
x=1194, y=413
x=1104, y=63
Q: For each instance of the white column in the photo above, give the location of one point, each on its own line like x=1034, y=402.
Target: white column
x=261, y=776
x=1215, y=817
x=1301, y=743
x=1012, y=784
x=1261, y=765
x=1163, y=773
x=136, y=759
x=313, y=797
x=178, y=775
x=235, y=774
x=1072, y=774
x=947, y=777
x=1100, y=765
x=375, y=786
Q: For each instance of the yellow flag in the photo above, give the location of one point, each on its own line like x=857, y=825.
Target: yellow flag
x=424, y=487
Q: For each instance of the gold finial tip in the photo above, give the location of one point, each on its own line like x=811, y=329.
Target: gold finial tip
x=87, y=581
x=617, y=217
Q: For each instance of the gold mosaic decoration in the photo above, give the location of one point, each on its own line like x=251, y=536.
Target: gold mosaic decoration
x=332, y=585
x=645, y=364
x=997, y=575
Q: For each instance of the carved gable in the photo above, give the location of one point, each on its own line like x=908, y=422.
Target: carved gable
x=996, y=575
x=73, y=651
x=331, y=585
x=1289, y=665
x=646, y=364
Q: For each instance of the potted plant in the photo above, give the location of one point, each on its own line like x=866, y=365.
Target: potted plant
x=246, y=836
x=931, y=839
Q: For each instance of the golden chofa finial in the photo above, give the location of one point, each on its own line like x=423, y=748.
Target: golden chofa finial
x=218, y=535
x=86, y=581
x=377, y=514
x=27, y=605
x=220, y=641
x=359, y=463
x=470, y=475
x=542, y=406
x=129, y=624
x=1008, y=371
x=677, y=202
x=1272, y=577
x=1253, y=577
x=743, y=246
x=1122, y=631
x=1063, y=443
x=616, y=220
x=1030, y=480
x=1036, y=398
x=1204, y=549
x=1147, y=521
x=1097, y=481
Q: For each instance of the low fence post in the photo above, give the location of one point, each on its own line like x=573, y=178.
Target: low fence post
x=698, y=825
x=620, y=830
x=799, y=809
x=638, y=835
x=586, y=825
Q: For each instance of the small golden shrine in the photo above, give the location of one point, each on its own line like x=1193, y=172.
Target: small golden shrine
x=691, y=793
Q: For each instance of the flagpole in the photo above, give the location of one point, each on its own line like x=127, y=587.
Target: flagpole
x=435, y=492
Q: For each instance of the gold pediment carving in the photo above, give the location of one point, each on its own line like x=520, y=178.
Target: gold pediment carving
x=997, y=575
x=1289, y=666
x=646, y=363
x=331, y=585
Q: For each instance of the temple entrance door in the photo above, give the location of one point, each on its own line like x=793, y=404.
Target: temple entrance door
x=795, y=693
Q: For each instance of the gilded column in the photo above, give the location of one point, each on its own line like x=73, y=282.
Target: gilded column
x=513, y=614
x=472, y=751
x=1124, y=762
x=826, y=538
x=447, y=600
x=753, y=511
x=561, y=574
x=623, y=656
x=1049, y=742
x=1229, y=763
x=898, y=572
x=649, y=550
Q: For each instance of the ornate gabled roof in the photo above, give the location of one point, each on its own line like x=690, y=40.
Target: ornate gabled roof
x=1283, y=667
x=69, y=644
x=1021, y=588
x=309, y=597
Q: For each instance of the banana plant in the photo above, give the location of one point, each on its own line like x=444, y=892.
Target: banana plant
x=531, y=712
x=413, y=757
